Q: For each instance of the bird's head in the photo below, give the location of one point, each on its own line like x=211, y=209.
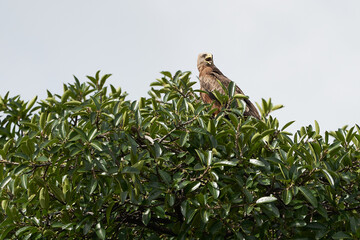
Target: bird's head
x=205, y=60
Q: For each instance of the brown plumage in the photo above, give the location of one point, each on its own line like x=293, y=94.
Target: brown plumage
x=209, y=74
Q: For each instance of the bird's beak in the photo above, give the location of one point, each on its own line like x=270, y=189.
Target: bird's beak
x=208, y=58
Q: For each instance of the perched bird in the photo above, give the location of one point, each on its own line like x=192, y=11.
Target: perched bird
x=209, y=76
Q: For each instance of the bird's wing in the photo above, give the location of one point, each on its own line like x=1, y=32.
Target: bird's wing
x=209, y=81
x=216, y=74
x=225, y=81
x=209, y=84
x=250, y=108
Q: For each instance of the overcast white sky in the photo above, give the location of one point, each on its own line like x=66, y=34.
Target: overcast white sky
x=304, y=54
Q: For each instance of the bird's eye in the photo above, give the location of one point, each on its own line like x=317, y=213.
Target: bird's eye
x=208, y=59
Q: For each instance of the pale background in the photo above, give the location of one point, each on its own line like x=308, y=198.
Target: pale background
x=304, y=54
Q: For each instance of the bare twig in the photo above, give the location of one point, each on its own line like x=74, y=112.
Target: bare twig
x=8, y=162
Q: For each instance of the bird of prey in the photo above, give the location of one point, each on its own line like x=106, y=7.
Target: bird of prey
x=209, y=77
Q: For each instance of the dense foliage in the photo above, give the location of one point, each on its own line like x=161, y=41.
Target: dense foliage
x=90, y=164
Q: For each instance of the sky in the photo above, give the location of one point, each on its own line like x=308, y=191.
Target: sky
x=302, y=54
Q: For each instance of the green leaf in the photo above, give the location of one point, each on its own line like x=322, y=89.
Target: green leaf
x=193, y=186
x=138, y=117
x=349, y=135
x=323, y=212
x=65, y=96
x=209, y=158
x=287, y=196
x=183, y=138
x=57, y=192
x=96, y=145
x=201, y=155
x=309, y=196
x=42, y=120
x=334, y=148
x=23, y=229
x=226, y=163
x=93, y=185
x=199, y=109
x=130, y=170
x=72, y=103
x=158, y=150
x=276, y=107
x=103, y=79
x=146, y=216
x=353, y=224
x=170, y=198
x=287, y=125
x=42, y=159
x=257, y=163
x=92, y=79
x=167, y=74
x=31, y=103
x=97, y=75
x=240, y=96
x=24, y=181
x=183, y=184
x=204, y=215
x=100, y=232
x=202, y=199
x=199, y=167
x=165, y=176
x=92, y=134
x=214, y=189
x=123, y=196
x=81, y=133
x=317, y=127
x=118, y=118
x=256, y=137
x=231, y=89
x=328, y=177
x=39, y=181
x=268, y=199
x=190, y=213
x=96, y=102
x=8, y=229
x=154, y=194
x=108, y=212
x=341, y=235
x=20, y=169
x=4, y=182
x=44, y=198
x=271, y=210
x=211, y=127
x=100, y=163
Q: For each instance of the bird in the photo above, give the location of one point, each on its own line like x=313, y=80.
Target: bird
x=209, y=75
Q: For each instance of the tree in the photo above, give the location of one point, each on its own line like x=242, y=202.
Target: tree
x=90, y=164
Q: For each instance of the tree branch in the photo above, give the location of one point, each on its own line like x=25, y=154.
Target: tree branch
x=8, y=162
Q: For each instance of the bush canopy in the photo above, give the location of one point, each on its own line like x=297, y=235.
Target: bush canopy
x=90, y=164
